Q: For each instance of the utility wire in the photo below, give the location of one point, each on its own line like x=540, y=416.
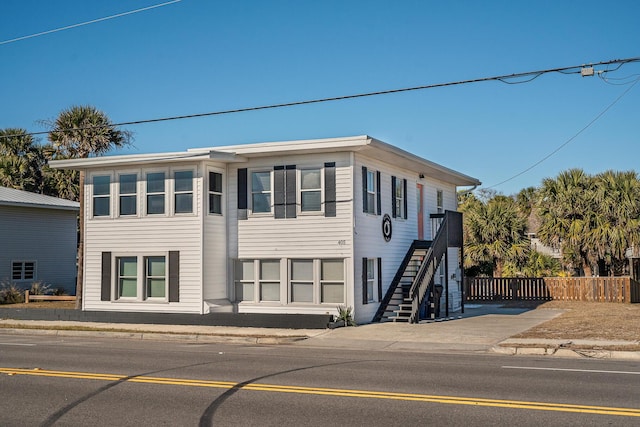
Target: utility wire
x=570, y=139
x=533, y=74
x=88, y=22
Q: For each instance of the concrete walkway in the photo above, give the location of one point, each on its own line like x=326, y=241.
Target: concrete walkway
x=482, y=328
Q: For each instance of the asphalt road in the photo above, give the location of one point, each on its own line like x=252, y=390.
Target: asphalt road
x=96, y=381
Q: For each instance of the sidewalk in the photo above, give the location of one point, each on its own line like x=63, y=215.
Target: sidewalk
x=482, y=328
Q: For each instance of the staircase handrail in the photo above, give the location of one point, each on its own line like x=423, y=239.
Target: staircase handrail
x=416, y=244
x=420, y=286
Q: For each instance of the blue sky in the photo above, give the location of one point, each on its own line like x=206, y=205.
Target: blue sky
x=198, y=56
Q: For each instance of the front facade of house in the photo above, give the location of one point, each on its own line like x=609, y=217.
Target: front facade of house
x=282, y=227
x=38, y=239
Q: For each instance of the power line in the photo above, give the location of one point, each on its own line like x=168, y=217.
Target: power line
x=88, y=22
x=570, y=139
x=575, y=69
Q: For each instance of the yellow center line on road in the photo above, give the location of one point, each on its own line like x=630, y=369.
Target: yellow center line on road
x=452, y=400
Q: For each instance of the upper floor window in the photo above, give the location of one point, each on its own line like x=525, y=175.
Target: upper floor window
x=261, y=191
x=183, y=191
x=439, y=201
x=155, y=193
x=101, y=195
x=23, y=270
x=215, y=193
x=371, y=200
x=371, y=192
x=128, y=199
x=310, y=190
x=399, y=197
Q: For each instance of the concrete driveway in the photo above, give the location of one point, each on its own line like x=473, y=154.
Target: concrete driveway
x=481, y=327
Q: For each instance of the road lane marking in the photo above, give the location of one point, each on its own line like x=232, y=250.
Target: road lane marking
x=535, y=368
x=17, y=344
x=453, y=400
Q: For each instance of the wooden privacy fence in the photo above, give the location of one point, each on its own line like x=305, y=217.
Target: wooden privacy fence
x=599, y=289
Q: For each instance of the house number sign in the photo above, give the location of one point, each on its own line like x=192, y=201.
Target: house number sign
x=386, y=227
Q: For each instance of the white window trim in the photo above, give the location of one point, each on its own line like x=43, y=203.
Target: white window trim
x=22, y=263
x=373, y=173
x=141, y=277
x=321, y=281
x=299, y=191
x=400, y=201
x=118, y=174
x=314, y=282
x=194, y=188
x=222, y=193
x=439, y=203
x=90, y=193
x=250, y=191
x=144, y=192
x=371, y=296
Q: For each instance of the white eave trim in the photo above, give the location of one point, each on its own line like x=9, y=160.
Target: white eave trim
x=141, y=159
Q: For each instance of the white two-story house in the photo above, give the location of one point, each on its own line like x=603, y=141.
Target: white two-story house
x=296, y=227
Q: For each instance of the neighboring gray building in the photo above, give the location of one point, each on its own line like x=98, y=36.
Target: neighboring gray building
x=38, y=239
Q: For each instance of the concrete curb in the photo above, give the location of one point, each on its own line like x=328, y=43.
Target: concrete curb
x=567, y=352
x=159, y=336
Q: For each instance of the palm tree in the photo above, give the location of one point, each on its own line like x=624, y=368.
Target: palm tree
x=566, y=210
x=80, y=132
x=21, y=161
x=617, y=203
x=494, y=232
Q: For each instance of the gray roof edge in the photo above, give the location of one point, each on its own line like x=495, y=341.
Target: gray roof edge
x=13, y=197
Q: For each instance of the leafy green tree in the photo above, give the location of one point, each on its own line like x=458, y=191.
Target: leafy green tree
x=494, y=232
x=81, y=132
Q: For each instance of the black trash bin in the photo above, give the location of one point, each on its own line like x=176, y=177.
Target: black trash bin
x=437, y=293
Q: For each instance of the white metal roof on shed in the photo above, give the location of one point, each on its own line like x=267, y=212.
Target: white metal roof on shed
x=240, y=153
x=12, y=197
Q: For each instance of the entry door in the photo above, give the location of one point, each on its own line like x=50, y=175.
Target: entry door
x=420, y=212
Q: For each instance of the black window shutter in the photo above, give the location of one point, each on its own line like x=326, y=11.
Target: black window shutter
x=174, y=276
x=105, y=283
x=290, y=191
x=330, y=189
x=404, y=182
x=393, y=197
x=278, y=192
x=378, y=196
x=242, y=188
x=364, y=189
x=365, y=297
x=379, y=279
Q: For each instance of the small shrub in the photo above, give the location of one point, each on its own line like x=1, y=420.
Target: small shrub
x=345, y=314
x=39, y=288
x=10, y=293
x=59, y=291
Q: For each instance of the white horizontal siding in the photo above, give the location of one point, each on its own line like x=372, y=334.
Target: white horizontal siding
x=143, y=235
x=307, y=236
x=46, y=236
x=370, y=242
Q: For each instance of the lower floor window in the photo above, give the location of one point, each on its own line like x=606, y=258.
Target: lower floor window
x=371, y=280
x=23, y=270
x=141, y=277
x=306, y=281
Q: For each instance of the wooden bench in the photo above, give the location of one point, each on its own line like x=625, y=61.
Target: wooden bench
x=28, y=297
